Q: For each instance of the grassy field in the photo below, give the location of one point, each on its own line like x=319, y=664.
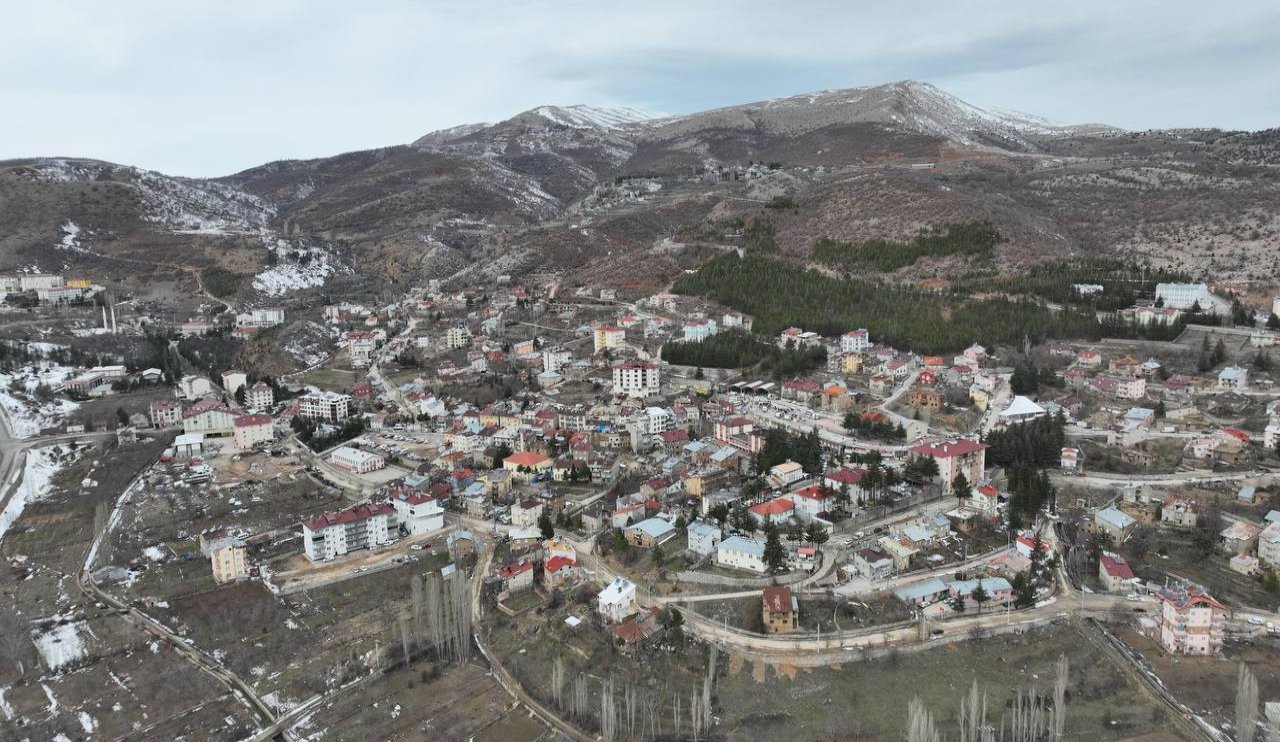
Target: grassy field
x=428, y=702
x=1208, y=684
x=868, y=700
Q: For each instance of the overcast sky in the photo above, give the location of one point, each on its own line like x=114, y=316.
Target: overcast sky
x=214, y=88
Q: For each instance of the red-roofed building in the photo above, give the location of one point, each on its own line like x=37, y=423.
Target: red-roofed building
x=810, y=501
x=361, y=527
x=780, y=610
x=1114, y=572
x=252, y=430
x=559, y=571
x=964, y=456
x=517, y=576
x=777, y=510
x=1190, y=621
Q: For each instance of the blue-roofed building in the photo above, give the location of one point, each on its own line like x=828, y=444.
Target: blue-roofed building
x=704, y=537
x=925, y=591
x=737, y=552
x=997, y=589
x=1114, y=522
x=650, y=532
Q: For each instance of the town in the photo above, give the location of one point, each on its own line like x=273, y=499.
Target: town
x=564, y=477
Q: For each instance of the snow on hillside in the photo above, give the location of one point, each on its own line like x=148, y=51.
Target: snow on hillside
x=297, y=267
x=27, y=398
x=184, y=205
x=61, y=645
x=42, y=464
x=586, y=117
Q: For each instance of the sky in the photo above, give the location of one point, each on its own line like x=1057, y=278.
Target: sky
x=215, y=88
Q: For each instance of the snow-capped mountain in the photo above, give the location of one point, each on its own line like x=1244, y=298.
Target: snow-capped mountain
x=583, y=117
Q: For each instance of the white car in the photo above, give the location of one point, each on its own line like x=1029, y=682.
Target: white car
x=1255, y=621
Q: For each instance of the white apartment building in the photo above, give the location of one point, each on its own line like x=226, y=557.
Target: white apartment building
x=636, y=379
x=555, y=358
x=259, y=397
x=266, y=317
x=457, y=337
x=324, y=405
x=1191, y=622
x=233, y=380
x=697, y=330
x=334, y=534
x=418, y=513
x=1131, y=386
x=855, y=341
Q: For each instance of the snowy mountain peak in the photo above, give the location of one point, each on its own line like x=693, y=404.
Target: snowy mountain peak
x=591, y=117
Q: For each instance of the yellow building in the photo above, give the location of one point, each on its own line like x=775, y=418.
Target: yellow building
x=853, y=363
x=229, y=563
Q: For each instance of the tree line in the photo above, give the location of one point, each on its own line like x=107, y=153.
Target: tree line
x=972, y=239
x=780, y=295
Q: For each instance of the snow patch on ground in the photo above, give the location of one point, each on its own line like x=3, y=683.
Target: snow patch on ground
x=4, y=705
x=71, y=238
x=28, y=414
x=87, y=723
x=60, y=646
x=297, y=268
x=42, y=465
x=154, y=553
x=53, y=700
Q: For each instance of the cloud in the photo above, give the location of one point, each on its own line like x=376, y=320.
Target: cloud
x=207, y=90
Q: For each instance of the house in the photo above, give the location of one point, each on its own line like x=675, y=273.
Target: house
x=194, y=387
x=649, y=532
x=252, y=430
x=526, y=513
x=777, y=510
x=1190, y=620
x=925, y=398
x=900, y=550
x=165, y=414
x=855, y=341
x=1115, y=523
x=781, y=611
x=704, y=537
x=617, y=600
x=1269, y=544
x=233, y=381
x=229, y=562
x=922, y=592
x=1239, y=537
x=1071, y=459
x=1179, y=511
x=1233, y=379
x=1114, y=572
x=356, y=461
x=811, y=502
x=334, y=534
x=997, y=589
x=963, y=456
x=872, y=563
x=1131, y=386
x=738, y=552
x=517, y=576
x=559, y=571
x=785, y=474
